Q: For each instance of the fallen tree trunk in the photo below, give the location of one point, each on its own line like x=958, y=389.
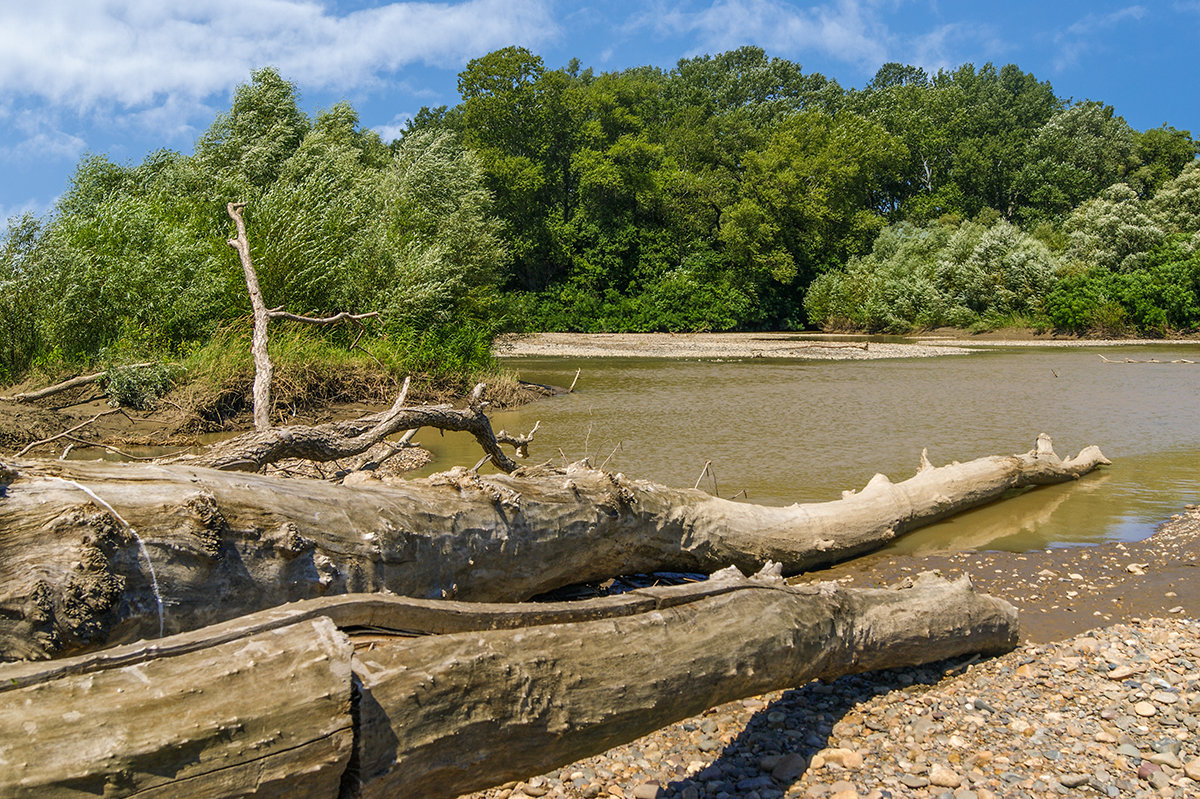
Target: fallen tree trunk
x=95, y=554
x=449, y=697
x=67, y=385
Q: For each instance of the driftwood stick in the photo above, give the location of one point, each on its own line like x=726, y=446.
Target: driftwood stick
x=571, y=389
x=67, y=433
x=1148, y=360
x=327, y=442
x=66, y=385
x=344, y=316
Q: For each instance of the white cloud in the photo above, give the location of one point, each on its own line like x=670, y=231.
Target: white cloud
x=1079, y=38
x=848, y=30
x=85, y=53
x=943, y=47
x=393, y=129
x=34, y=135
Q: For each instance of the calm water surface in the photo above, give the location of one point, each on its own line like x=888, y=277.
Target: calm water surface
x=779, y=432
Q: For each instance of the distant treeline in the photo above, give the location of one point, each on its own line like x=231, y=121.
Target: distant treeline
x=733, y=191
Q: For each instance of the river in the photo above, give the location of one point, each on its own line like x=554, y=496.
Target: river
x=783, y=431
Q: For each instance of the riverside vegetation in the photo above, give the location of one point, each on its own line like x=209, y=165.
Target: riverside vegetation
x=734, y=191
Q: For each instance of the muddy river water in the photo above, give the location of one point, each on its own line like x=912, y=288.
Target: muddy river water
x=783, y=431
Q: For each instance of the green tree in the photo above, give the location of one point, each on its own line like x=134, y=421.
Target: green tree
x=247, y=146
x=1082, y=149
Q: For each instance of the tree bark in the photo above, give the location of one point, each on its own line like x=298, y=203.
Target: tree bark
x=449, y=697
x=262, y=317
x=96, y=554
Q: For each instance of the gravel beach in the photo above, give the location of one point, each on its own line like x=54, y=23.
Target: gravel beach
x=1102, y=699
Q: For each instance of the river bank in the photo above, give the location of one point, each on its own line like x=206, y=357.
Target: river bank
x=1102, y=697
x=801, y=346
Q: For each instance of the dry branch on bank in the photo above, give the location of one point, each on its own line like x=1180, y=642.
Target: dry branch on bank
x=78, y=573
x=383, y=696
x=252, y=451
x=67, y=385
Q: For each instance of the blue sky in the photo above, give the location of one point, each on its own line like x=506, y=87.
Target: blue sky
x=126, y=77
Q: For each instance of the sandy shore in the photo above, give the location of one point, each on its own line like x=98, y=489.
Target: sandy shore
x=714, y=346
x=810, y=346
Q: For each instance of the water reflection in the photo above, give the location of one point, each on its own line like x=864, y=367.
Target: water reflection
x=799, y=431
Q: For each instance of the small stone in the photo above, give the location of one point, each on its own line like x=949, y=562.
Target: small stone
x=914, y=781
x=944, y=777
x=1121, y=672
x=846, y=758
x=1192, y=769
x=1129, y=750
x=1145, y=709
x=1164, y=697
x=1165, y=759
x=647, y=790
x=789, y=767
x=1073, y=780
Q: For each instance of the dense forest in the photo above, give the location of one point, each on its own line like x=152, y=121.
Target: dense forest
x=734, y=191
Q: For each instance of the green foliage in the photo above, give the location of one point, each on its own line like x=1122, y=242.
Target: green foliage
x=135, y=261
x=1113, y=231
x=1082, y=149
x=1159, y=299
x=24, y=287
x=926, y=277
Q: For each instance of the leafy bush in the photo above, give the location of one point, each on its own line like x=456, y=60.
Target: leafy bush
x=924, y=277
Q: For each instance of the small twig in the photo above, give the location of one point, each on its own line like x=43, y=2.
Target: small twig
x=482, y=461
x=67, y=433
x=120, y=452
x=279, y=313
x=63, y=456
x=610, y=455
x=702, y=473
x=571, y=390
x=741, y=493
x=564, y=456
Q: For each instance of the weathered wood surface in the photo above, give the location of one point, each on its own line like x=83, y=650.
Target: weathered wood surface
x=266, y=714
x=84, y=545
x=456, y=713
x=448, y=696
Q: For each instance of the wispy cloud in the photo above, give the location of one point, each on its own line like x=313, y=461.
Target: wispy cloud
x=392, y=130
x=83, y=54
x=944, y=47
x=36, y=135
x=1079, y=38
x=848, y=30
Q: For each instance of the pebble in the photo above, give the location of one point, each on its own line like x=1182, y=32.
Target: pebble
x=1077, y=721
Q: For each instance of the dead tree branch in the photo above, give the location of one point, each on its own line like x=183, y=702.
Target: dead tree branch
x=67, y=433
x=262, y=317
x=67, y=385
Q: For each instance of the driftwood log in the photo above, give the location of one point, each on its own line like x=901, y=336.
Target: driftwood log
x=388, y=697
x=96, y=554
